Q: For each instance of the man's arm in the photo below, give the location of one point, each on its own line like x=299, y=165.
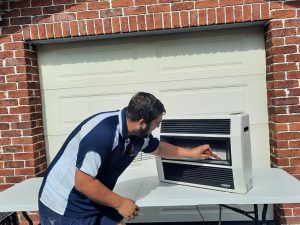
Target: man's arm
x=93, y=189
x=169, y=151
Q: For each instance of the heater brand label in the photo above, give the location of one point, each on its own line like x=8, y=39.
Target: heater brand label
x=226, y=185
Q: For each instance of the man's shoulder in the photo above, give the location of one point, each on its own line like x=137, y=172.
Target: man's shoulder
x=101, y=124
x=108, y=120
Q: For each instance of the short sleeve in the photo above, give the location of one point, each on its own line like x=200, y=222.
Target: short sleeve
x=150, y=144
x=91, y=152
x=89, y=163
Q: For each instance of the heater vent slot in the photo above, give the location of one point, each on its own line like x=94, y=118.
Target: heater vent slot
x=201, y=175
x=196, y=126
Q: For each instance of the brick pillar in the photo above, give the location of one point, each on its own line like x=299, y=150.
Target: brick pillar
x=283, y=73
x=22, y=148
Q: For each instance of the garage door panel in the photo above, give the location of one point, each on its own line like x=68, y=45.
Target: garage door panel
x=70, y=107
x=218, y=95
x=88, y=103
x=203, y=100
x=256, y=100
x=214, y=55
x=258, y=132
x=205, y=96
x=184, y=56
x=90, y=65
x=204, y=55
x=53, y=144
x=259, y=145
x=93, y=65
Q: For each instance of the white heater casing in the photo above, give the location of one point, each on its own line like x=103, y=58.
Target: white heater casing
x=200, y=174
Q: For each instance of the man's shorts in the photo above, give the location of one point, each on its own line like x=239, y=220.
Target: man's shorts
x=49, y=217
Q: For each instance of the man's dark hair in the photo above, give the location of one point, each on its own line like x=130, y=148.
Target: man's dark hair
x=144, y=106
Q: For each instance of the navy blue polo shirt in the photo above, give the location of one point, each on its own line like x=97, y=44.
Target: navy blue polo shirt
x=99, y=146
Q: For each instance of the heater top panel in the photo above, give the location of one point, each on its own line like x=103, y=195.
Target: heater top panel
x=219, y=124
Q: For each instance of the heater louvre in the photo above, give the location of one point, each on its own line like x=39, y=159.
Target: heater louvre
x=202, y=175
x=196, y=126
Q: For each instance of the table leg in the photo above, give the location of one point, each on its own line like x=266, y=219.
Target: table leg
x=220, y=215
x=27, y=218
x=264, y=215
x=256, y=212
x=254, y=218
x=243, y=212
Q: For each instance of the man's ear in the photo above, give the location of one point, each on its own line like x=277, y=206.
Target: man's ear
x=142, y=123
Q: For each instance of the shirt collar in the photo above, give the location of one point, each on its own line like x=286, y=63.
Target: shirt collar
x=123, y=123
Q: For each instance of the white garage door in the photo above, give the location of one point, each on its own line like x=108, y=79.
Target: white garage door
x=196, y=73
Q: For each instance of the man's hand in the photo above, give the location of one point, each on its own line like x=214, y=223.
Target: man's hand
x=169, y=151
x=200, y=152
x=128, y=209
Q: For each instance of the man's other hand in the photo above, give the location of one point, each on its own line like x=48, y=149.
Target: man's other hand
x=128, y=209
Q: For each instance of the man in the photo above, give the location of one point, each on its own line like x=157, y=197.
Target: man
x=77, y=188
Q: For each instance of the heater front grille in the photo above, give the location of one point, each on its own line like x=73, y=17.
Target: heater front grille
x=196, y=126
x=201, y=175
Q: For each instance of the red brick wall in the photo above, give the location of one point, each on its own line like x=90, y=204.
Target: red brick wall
x=22, y=148
x=283, y=57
